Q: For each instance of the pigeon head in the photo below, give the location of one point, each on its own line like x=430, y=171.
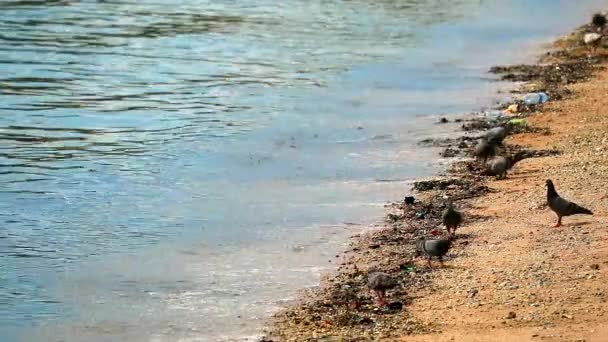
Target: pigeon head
x=550, y=188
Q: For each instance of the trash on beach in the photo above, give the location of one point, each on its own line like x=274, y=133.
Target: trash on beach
x=590, y=38
x=517, y=122
x=494, y=115
x=409, y=200
x=420, y=214
x=512, y=108
x=535, y=98
x=408, y=268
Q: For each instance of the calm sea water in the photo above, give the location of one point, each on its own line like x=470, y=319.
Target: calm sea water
x=175, y=170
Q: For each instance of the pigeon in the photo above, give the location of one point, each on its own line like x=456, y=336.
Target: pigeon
x=598, y=20
x=500, y=165
x=484, y=150
x=380, y=282
x=452, y=218
x=561, y=206
x=432, y=248
x=496, y=135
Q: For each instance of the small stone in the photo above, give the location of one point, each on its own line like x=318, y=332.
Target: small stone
x=567, y=316
x=534, y=335
x=443, y=120
x=395, y=306
x=511, y=315
x=595, y=266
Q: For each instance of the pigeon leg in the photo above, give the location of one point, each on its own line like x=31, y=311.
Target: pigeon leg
x=429, y=261
x=441, y=261
x=380, y=294
x=559, y=222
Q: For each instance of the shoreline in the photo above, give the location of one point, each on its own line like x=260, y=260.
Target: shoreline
x=326, y=312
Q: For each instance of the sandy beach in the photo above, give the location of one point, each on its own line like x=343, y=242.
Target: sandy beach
x=510, y=275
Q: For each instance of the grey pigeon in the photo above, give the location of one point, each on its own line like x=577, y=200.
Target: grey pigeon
x=380, y=282
x=452, y=218
x=561, y=206
x=499, y=166
x=496, y=135
x=433, y=248
x=485, y=149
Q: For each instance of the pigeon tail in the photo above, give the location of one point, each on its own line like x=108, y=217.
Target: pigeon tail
x=517, y=157
x=577, y=209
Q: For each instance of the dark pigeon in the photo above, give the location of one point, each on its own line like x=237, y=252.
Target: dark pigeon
x=598, y=20
x=484, y=150
x=496, y=135
x=499, y=166
x=561, y=206
x=452, y=218
x=433, y=248
x=380, y=282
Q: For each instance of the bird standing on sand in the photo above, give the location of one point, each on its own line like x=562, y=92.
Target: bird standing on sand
x=500, y=165
x=433, y=248
x=380, y=282
x=561, y=206
x=452, y=218
x=484, y=150
x=496, y=135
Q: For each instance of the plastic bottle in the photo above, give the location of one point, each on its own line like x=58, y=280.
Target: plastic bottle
x=535, y=98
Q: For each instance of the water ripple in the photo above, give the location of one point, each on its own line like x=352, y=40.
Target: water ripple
x=117, y=116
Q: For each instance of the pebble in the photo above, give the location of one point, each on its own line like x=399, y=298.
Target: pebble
x=511, y=315
x=595, y=266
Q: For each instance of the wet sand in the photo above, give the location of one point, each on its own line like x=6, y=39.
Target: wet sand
x=510, y=276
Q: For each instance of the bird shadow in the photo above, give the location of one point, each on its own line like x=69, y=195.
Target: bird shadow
x=464, y=237
x=436, y=266
x=576, y=224
x=477, y=217
x=449, y=267
x=517, y=177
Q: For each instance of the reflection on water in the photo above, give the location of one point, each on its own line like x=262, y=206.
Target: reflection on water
x=130, y=127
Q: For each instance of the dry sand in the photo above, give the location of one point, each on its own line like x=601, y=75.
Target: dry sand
x=516, y=261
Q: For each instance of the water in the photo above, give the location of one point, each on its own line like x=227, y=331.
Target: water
x=175, y=171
